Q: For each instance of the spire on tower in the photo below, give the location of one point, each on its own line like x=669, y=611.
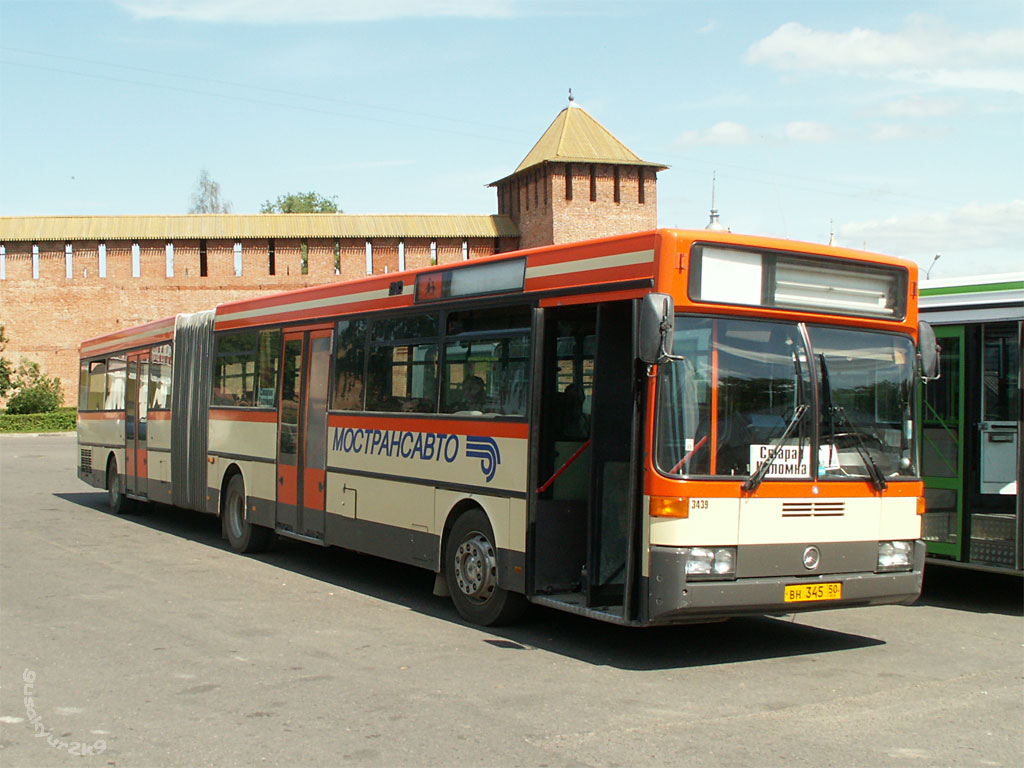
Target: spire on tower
x=713, y=223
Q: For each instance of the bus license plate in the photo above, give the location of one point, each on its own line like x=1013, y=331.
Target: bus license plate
x=802, y=593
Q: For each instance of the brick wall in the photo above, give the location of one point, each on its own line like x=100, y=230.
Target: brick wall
x=46, y=319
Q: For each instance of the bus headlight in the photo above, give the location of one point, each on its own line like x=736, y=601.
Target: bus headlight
x=712, y=562
x=895, y=555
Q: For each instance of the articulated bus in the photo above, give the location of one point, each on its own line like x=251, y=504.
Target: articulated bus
x=654, y=428
x=971, y=423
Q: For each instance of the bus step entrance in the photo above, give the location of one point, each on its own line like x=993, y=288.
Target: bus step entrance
x=576, y=602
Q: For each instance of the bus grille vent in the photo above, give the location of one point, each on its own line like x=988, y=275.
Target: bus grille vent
x=87, y=460
x=813, y=508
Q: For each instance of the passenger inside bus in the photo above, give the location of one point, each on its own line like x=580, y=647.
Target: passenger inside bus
x=574, y=424
x=474, y=396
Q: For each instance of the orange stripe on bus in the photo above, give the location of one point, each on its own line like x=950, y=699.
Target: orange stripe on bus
x=726, y=488
x=100, y=415
x=233, y=414
x=450, y=426
x=590, y=298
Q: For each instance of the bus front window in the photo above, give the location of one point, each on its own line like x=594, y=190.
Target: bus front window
x=867, y=385
x=725, y=408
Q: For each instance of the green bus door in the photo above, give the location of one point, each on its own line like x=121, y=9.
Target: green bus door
x=942, y=451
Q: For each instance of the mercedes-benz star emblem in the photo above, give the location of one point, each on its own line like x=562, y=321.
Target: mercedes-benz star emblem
x=812, y=556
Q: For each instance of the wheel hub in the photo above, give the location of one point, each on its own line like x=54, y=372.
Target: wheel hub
x=476, y=568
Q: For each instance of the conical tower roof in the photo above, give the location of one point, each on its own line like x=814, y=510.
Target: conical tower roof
x=576, y=137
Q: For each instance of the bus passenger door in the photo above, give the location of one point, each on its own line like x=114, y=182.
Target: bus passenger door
x=314, y=465
x=136, y=402
x=584, y=518
x=302, y=432
x=613, y=489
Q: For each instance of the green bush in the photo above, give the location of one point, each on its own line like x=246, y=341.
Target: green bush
x=60, y=420
x=36, y=392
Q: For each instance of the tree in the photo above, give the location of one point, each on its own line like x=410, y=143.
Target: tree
x=302, y=202
x=6, y=370
x=37, y=392
x=206, y=198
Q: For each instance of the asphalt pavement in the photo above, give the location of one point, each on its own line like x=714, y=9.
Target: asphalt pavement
x=143, y=641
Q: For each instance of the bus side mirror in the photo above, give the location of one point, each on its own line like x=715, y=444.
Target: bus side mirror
x=657, y=322
x=928, y=351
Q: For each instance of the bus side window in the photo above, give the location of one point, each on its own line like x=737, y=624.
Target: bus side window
x=160, y=377
x=349, y=353
x=83, y=386
x=114, y=397
x=486, y=368
x=402, y=364
x=234, y=377
x=402, y=378
x=268, y=362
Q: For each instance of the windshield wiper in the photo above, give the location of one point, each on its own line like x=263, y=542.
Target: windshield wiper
x=832, y=410
x=755, y=479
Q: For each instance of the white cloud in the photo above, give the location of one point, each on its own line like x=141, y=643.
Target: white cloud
x=728, y=133
x=903, y=132
x=917, y=107
x=723, y=133
x=807, y=132
x=320, y=11
x=924, y=53
x=974, y=239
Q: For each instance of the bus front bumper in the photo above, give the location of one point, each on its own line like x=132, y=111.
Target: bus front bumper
x=674, y=599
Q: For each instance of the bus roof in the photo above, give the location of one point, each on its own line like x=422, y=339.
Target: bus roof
x=625, y=261
x=974, y=298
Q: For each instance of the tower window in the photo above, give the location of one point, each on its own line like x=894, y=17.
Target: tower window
x=593, y=183
x=568, y=181
x=202, y=259
x=640, y=185
x=271, y=259
x=618, y=189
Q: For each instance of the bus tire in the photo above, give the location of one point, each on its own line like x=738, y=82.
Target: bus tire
x=471, y=570
x=119, y=503
x=242, y=535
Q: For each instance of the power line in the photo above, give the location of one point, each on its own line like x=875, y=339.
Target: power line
x=251, y=100
x=265, y=89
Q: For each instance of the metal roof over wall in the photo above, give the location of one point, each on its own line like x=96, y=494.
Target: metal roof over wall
x=229, y=226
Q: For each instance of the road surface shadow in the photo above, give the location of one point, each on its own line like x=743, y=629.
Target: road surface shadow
x=743, y=639
x=976, y=591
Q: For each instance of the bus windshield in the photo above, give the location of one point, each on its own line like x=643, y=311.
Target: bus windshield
x=740, y=402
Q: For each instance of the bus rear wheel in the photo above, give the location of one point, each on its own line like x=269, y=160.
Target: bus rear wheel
x=242, y=535
x=471, y=570
x=119, y=503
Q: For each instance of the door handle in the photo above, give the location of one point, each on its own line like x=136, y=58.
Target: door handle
x=280, y=481
x=320, y=486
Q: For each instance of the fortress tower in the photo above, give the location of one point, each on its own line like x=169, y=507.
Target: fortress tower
x=579, y=182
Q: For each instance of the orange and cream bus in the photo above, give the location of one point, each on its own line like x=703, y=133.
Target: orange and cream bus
x=647, y=429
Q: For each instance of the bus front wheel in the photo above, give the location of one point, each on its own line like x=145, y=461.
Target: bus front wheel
x=471, y=570
x=242, y=535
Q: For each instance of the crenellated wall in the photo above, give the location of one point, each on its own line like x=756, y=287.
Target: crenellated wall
x=47, y=314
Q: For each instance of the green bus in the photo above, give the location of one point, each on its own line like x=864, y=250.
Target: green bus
x=971, y=420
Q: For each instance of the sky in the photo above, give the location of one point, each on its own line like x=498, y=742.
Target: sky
x=896, y=125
